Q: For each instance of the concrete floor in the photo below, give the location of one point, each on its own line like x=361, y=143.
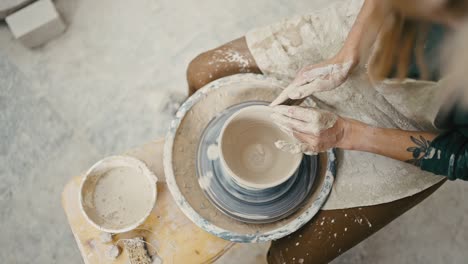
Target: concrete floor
x=112, y=82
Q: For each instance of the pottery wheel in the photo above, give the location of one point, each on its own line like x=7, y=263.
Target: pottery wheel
x=254, y=206
x=222, y=217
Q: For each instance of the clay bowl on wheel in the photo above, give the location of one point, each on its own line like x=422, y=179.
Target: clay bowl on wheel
x=248, y=153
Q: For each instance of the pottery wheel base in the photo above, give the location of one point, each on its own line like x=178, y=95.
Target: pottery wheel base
x=180, y=161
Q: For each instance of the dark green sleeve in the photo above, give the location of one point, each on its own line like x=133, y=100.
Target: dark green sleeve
x=448, y=155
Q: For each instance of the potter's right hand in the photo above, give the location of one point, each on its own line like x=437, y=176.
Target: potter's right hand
x=319, y=130
x=320, y=77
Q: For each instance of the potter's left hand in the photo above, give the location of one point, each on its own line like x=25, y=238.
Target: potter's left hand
x=319, y=129
x=314, y=78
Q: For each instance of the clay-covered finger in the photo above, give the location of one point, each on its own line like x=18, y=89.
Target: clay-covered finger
x=288, y=122
x=285, y=129
x=283, y=96
x=321, y=79
x=301, y=136
x=299, y=80
x=313, y=144
x=296, y=112
x=314, y=120
x=310, y=148
x=303, y=90
x=306, y=114
x=291, y=147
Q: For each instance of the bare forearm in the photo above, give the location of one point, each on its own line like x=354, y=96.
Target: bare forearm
x=365, y=29
x=408, y=146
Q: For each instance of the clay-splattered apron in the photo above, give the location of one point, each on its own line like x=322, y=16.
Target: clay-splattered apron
x=280, y=50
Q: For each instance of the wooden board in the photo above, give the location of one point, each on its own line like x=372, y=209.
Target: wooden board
x=171, y=234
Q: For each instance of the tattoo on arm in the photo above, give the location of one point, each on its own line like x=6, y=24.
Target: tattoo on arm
x=419, y=151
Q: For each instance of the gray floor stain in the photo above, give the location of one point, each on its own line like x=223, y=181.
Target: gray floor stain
x=113, y=82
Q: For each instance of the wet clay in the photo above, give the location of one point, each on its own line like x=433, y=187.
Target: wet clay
x=306, y=120
x=121, y=199
x=291, y=147
x=248, y=149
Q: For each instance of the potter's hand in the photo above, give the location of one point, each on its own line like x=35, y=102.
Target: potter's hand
x=319, y=130
x=324, y=76
x=333, y=72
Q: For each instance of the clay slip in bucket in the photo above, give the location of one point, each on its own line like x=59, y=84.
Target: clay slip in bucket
x=117, y=194
x=248, y=152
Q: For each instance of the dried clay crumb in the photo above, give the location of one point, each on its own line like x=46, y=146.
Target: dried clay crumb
x=212, y=152
x=156, y=259
x=112, y=252
x=105, y=237
x=293, y=148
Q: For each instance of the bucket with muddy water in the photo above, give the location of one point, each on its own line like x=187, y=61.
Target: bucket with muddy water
x=117, y=194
